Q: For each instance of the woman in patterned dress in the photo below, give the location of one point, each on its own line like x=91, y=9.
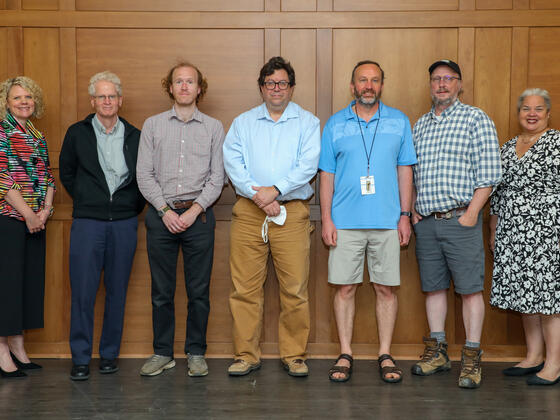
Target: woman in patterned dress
x=525, y=237
x=26, y=198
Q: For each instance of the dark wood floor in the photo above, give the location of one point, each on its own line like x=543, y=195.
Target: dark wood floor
x=269, y=393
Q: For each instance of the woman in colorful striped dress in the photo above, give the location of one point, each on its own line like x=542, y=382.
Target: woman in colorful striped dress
x=26, y=202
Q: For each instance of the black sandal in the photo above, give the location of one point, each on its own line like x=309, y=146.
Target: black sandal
x=384, y=371
x=345, y=370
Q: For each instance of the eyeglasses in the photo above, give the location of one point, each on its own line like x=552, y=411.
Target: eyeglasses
x=271, y=84
x=102, y=98
x=445, y=79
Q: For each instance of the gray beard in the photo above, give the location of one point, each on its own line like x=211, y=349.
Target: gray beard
x=367, y=102
x=443, y=102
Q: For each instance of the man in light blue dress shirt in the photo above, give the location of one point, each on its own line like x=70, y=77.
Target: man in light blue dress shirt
x=271, y=152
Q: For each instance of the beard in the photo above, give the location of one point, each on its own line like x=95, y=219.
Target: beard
x=367, y=102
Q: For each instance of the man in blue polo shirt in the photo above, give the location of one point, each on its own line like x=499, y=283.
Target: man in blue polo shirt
x=366, y=185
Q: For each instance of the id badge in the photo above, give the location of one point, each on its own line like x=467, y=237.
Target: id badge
x=367, y=184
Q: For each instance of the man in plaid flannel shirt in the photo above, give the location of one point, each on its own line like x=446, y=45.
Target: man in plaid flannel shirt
x=458, y=165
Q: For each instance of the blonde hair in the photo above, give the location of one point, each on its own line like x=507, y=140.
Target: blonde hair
x=29, y=85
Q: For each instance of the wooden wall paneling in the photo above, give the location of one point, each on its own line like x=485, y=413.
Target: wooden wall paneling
x=492, y=94
x=229, y=59
x=381, y=5
x=272, y=5
x=11, y=53
x=67, y=4
x=13, y=4
x=324, y=74
x=521, y=4
x=324, y=5
x=69, y=98
x=41, y=54
x=545, y=4
x=299, y=5
x=40, y=4
x=406, y=88
x=544, y=66
x=519, y=74
x=171, y=5
x=467, y=4
x=494, y=4
x=272, y=42
x=466, y=53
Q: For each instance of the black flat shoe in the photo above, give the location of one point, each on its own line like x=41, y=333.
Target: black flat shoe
x=537, y=380
x=79, y=373
x=15, y=374
x=25, y=366
x=519, y=371
x=108, y=366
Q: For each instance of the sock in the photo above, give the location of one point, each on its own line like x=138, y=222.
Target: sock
x=472, y=344
x=439, y=336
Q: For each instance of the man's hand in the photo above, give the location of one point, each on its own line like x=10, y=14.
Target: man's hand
x=328, y=232
x=403, y=228
x=416, y=217
x=468, y=219
x=189, y=217
x=264, y=196
x=273, y=209
x=173, y=222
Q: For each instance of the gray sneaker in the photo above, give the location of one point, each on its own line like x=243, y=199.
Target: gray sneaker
x=196, y=365
x=157, y=364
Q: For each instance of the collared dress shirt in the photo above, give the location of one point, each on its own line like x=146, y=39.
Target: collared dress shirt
x=458, y=152
x=181, y=160
x=259, y=151
x=110, y=153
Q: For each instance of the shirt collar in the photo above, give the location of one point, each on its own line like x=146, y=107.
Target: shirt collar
x=447, y=111
x=351, y=115
x=289, y=112
x=101, y=128
x=196, y=115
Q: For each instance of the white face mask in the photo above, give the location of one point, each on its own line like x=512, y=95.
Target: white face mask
x=279, y=220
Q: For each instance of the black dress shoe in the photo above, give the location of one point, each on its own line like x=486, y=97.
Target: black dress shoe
x=108, y=366
x=537, y=380
x=25, y=366
x=519, y=371
x=15, y=374
x=79, y=372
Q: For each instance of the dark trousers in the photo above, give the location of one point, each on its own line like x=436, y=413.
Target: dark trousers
x=197, y=245
x=22, y=277
x=97, y=245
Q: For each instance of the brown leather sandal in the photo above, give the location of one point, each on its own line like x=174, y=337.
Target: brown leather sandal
x=346, y=371
x=384, y=371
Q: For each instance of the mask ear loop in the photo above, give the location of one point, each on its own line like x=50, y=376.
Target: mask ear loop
x=264, y=230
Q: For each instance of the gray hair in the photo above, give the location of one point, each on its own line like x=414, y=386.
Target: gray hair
x=534, y=92
x=106, y=76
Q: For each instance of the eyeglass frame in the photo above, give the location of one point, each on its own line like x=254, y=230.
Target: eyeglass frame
x=270, y=82
x=446, y=79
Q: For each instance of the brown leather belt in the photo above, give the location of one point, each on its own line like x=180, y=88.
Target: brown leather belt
x=449, y=214
x=179, y=204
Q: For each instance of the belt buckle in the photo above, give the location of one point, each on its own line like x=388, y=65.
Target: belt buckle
x=444, y=216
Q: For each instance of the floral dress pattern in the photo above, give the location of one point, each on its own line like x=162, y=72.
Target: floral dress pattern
x=526, y=274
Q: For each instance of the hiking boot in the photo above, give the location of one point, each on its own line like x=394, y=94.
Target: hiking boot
x=240, y=367
x=296, y=367
x=471, y=372
x=433, y=360
x=196, y=365
x=156, y=364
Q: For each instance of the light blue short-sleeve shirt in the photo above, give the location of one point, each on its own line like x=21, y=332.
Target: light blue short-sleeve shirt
x=343, y=154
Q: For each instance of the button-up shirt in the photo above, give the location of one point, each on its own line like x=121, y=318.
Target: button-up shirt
x=181, y=160
x=110, y=153
x=259, y=151
x=458, y=152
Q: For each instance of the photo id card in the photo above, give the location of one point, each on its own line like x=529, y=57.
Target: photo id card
x=367, y=184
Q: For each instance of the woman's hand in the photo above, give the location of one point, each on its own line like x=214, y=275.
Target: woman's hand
x=33, y=222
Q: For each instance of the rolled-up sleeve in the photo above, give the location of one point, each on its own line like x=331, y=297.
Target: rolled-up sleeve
x=488, y=165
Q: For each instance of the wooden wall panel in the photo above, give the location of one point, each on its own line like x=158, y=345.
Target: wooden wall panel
x=11, y=52
x=545, y=4
x=519, y=73
x=544, y=66
x=170, y=5
x=299, y=5
x=230, y=60
x=494, y=4
x=378, y=5
x=40, y=4
x=41, y=54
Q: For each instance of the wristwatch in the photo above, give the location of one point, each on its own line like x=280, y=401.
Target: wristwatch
x=162, y=211
x=406, y=213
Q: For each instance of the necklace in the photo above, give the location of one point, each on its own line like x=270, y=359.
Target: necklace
x=529, y=140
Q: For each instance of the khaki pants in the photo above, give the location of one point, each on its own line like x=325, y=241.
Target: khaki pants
x=289, y=245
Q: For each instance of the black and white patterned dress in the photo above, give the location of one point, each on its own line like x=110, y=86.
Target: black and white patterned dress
x=526, y=274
